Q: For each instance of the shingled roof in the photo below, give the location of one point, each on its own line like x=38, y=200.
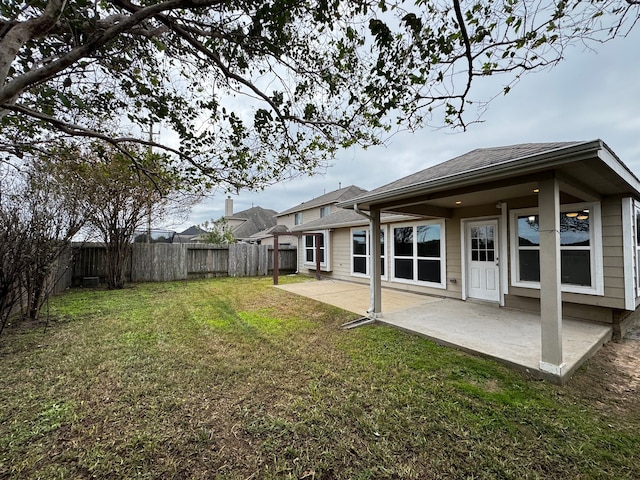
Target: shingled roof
x=340, y=195
x=476, y=160
x=257, y=219
x=476, y=163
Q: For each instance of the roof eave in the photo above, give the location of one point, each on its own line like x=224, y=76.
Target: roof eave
x=500, y=170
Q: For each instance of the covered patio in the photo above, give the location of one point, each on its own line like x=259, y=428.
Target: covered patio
x=506, y=335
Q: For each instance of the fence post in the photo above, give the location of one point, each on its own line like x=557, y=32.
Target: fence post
x=276, y=258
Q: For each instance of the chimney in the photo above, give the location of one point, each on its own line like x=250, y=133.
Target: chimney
x=228, y=207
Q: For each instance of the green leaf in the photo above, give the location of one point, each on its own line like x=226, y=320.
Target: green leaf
x=64, y=99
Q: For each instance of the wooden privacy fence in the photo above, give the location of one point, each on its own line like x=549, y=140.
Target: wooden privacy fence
x=163, y=262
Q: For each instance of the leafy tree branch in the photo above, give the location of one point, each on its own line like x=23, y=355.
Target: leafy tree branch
x=254, y=91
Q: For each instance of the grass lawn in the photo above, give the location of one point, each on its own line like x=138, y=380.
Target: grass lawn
x=234, y=379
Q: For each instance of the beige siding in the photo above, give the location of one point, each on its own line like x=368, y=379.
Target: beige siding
x=614, y=259
x=612, y=252
x=308, y=215
x=593, y=313
x=341, y=253
x=454, y=257
x=287, y=220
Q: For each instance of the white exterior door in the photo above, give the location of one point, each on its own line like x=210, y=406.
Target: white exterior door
x=483, y=267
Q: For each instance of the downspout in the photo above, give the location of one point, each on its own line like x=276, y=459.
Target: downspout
x=357, y=210
x=374, y=263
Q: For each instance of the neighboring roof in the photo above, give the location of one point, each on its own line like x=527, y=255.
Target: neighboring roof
x=192, y=230
x=346, y=218
x=269, y=232
x=257, y=219
x=340, y=195
x=489, y=163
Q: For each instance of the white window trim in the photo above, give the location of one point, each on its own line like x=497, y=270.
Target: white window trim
x=295, y=218
x=597, y=274
x=324, y=266
x=630, y=252
x=325, y=211
x=443, y=254
x=636, y=259
x=383, y=229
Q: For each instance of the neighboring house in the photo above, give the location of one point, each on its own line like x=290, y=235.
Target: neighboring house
x=555, y=225
x=190, y=235
x=248, y=222
x=266, y=237
x=297, y=218
x=243, y=225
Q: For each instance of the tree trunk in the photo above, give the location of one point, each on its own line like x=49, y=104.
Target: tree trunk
x=117, y=256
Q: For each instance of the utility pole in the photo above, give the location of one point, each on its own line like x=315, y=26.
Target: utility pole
x=149, y=205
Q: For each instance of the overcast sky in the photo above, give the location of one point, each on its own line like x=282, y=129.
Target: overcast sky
x=591, y=95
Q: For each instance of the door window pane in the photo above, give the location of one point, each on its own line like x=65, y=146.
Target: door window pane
x=483, y=243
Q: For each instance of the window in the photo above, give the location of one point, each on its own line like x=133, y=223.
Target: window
x=298, y=218
x=636, y=231
x=580, y=248
x=325, y=211
x=309, y=244
x=361, y=252
x=418, y=253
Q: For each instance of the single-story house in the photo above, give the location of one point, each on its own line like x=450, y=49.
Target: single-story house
x=547, y=227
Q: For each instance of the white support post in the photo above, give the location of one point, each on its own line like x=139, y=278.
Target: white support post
x=374, y=265
x=550, y=294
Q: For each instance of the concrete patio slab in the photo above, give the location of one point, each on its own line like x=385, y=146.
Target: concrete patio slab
x=509, y=336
